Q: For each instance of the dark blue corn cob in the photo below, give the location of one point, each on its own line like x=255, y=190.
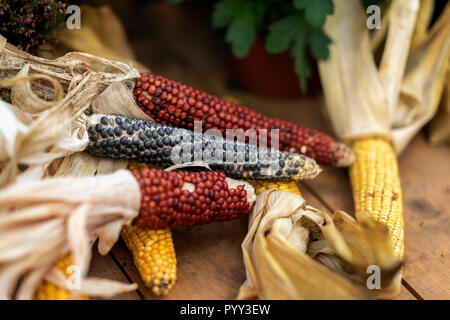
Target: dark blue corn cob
x=121, y=137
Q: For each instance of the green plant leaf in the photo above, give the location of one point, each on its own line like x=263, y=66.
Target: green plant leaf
x=241, y=34
x=281, y=34
x=222, y=14
x=298, y=52
x=315, y=10
x=293, y=30
x=318, y=42
x=242, y=18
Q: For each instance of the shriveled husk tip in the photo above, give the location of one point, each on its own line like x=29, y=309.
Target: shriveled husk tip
x=396, y=99
x=41, y=221
x=294, y=251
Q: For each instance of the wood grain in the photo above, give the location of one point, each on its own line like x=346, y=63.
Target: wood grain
x=425, y=177
x=105, y=267
x=209, y=261
x=404, y=294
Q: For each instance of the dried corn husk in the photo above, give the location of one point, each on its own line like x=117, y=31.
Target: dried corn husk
x=41, y=126
x=423, y=21
x=439, y=129
x=401, y=26
x=50, y=107
x=356, y=102
x=402, y=95
x=42, y=129
x=379, y=35
x=41, y=221
x=293, y=251
x=423, y=83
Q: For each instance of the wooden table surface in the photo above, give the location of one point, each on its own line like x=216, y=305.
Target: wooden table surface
x=177, y=44
x=209, y=257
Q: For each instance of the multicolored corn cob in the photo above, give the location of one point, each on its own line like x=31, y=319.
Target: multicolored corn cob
x=116, y=136
x=376, y=186
x=173, y=103
x=261, y=186
x=49, y=291
x=153, y=252
x=154, y=256
x=185, y=198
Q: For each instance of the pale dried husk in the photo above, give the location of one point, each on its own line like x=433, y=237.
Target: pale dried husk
x=398, y=98
x=41, y=135
x=423, y=83
x=439, y=129
x=41, y=221
x=356, y=102
x=40, y=125
x=379, y=35
x=423, y=21
x=294, y=251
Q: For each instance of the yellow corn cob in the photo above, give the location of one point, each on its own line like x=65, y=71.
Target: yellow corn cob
x=49, y=291
x=154, y=256
x=153, y=252
x=376, y=186
x=261, y=186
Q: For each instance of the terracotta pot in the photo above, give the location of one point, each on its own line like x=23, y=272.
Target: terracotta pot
x=270, y=74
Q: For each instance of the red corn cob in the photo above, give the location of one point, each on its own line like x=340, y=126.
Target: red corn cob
x=179, y=105
x=187, y=198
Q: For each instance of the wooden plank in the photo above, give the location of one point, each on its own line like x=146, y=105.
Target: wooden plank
x=105, y=267
x=404, y=294
x=425, y=181
x=209, y=261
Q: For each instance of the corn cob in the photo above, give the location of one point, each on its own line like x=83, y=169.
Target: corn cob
x=186, y=198
x=261, y=186
x=376, y=186
x=153, y=252
x=173, y=103
x=116, y=136
x=153, y=255
x=49, y=291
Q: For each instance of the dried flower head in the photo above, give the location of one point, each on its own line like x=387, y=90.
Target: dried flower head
x=27, y=24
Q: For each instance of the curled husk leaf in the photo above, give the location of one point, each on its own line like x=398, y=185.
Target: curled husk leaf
x=294, y=251
x=49, y=97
